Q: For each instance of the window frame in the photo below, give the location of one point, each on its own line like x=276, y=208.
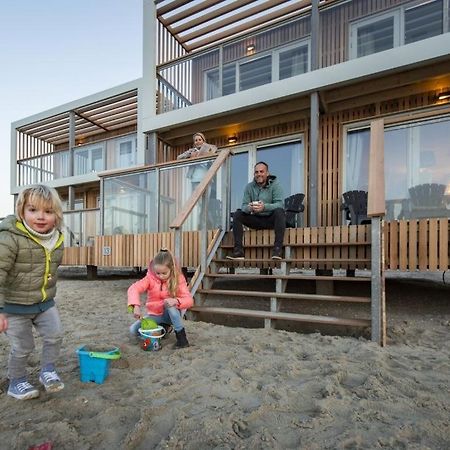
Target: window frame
x=90, y=149
x=398, y=13
x=275, y=69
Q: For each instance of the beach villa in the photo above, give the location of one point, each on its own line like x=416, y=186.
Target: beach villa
x=348, y=101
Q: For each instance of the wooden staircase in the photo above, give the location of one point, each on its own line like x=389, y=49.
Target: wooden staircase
x=273, y=292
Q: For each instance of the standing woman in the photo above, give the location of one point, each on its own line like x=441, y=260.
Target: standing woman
x=197, y=172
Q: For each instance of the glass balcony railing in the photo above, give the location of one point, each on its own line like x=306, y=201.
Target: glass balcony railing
x=81, y=227
x=116, y=153
x=148, y=201
x=346, y=30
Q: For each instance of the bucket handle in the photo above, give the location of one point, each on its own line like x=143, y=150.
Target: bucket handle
x=144, y=333
x=111, y=355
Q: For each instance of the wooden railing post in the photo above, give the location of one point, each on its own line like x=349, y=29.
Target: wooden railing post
x=376, y=210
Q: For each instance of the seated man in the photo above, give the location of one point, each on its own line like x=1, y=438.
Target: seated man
x=262, y=208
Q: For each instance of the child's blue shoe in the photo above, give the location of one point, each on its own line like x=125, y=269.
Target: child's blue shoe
x=51, y=381
x=21, y=389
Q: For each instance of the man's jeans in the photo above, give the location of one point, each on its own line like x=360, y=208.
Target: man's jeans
x=20, y=335
x=171, y=315
x=276, y=221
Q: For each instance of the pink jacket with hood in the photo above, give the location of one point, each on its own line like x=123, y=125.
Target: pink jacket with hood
x=157, y=292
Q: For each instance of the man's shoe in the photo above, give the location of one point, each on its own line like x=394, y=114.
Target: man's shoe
x=237, y=254
x=51, y=381
x=21, y=389
x=277, y=253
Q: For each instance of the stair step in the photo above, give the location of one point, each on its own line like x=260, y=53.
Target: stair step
x=281, y=316
x=289, y=260
x=244, y=276
x=300, y=244
x=286, y=295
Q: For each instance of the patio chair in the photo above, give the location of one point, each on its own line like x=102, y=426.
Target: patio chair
x=293, y=205
x=427, y=200
x=355, y=207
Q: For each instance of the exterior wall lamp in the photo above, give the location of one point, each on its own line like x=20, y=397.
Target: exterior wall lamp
x=232, y=139
x=443, y=95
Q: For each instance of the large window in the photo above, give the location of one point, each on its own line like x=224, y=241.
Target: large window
x=258, y=70
x=417, y=165
x=410, y=23
x=89, y=159
x=126, y=152
x=285, y=160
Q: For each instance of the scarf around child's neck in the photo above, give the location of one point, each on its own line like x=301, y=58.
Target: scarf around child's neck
x=47, y=240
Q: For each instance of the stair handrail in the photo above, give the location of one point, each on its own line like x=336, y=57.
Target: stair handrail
x=179, y=220
x=206, y=251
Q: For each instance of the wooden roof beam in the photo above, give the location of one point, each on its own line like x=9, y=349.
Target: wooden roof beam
x=241, y=16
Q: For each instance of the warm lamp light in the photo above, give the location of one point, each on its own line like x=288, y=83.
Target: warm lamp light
x=444, y=95
x=250, y=48
x=232, y=139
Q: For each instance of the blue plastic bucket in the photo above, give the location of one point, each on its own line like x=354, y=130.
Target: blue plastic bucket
x=94, y=366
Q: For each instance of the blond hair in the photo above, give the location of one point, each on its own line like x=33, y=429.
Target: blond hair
x=40, y=196
x=165, y=258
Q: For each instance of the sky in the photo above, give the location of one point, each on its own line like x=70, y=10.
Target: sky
x=55, y=51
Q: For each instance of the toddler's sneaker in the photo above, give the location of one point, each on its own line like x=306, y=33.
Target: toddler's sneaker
x=51, y=381
x=21, y=389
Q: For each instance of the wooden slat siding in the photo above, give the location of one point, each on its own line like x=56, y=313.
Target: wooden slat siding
x=337, y=251
x=393, y=250
x=308, y=252
x=268, y=239
x=444, y=248
x=423, y=244
x=413, y=246
x=402, y=246
x=78, y=256
x=410, y=245
x=433, y=245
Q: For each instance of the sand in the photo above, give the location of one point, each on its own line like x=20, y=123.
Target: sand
x=240, y=388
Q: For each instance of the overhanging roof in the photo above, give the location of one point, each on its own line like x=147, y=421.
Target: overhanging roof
x=104, y=115
x=197, y=24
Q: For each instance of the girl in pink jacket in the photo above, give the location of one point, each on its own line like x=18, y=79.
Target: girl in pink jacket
x=167, y=295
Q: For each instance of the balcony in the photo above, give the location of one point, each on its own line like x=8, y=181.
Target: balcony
x=345, y=31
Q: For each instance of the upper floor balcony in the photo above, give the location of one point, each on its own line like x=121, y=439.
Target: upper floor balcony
x=209, y=54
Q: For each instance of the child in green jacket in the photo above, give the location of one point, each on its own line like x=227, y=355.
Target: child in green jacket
x=31, y=249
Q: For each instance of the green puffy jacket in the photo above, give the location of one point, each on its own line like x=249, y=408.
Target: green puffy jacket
x=271, y=194
x=28, y=271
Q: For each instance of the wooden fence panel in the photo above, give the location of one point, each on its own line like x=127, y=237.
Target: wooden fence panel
x=410, y=245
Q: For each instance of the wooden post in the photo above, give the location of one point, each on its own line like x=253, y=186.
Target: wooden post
x=376, y=210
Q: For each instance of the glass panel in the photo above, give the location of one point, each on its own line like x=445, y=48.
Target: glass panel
x=97, y=160
x=229, y=79
x=255, y=73
x=80, y=228
x=286, y=163
x=81, y=162
x=130, y=204
x=126, y=152
x=212, y=84
x=375, y=37
x=293, y=62
x=423, y=21
x=176, y=187
x=357, y=161
x=417, y=178
x=239, y=178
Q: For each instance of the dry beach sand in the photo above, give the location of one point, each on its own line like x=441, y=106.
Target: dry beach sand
x=240, y=388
